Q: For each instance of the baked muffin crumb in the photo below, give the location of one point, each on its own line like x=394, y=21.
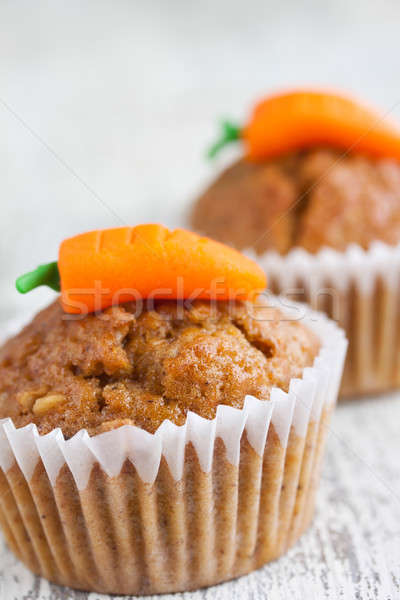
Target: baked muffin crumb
x=117, y=368
x=313, y=198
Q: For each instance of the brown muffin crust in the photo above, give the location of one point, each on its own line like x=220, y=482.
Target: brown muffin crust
x=311, y=199
x=117, y=367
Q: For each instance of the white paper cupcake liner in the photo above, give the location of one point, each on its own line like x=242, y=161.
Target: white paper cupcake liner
x=360, y=289
x=131, y=512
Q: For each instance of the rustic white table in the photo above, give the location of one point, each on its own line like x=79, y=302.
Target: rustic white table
x=352, y=550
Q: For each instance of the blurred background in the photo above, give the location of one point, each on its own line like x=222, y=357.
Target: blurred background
x=106, y=108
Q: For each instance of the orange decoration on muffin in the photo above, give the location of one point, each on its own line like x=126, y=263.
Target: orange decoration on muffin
x=101, y=268
x=304, y=118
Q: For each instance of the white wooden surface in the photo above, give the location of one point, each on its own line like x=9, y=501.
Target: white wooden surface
x=352, y=550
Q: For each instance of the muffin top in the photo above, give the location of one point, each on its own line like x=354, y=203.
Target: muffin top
x=118, y=367
x=311, y=198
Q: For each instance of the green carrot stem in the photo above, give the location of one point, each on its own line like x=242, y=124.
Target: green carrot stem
x=230, y=133
x=43, y=275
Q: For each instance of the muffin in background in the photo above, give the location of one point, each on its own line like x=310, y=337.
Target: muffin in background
x=167, y=448
x=310, y=199
x=324, y=223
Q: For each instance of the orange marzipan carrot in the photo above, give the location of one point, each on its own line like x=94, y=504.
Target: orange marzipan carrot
x=304, y=118
x=126, y=263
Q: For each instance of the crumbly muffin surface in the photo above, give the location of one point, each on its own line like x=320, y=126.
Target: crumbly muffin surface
x=120, y=367
x=311, y=199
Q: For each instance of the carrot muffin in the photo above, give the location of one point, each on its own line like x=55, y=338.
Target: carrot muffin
x=165, y=445
x=313, y=194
